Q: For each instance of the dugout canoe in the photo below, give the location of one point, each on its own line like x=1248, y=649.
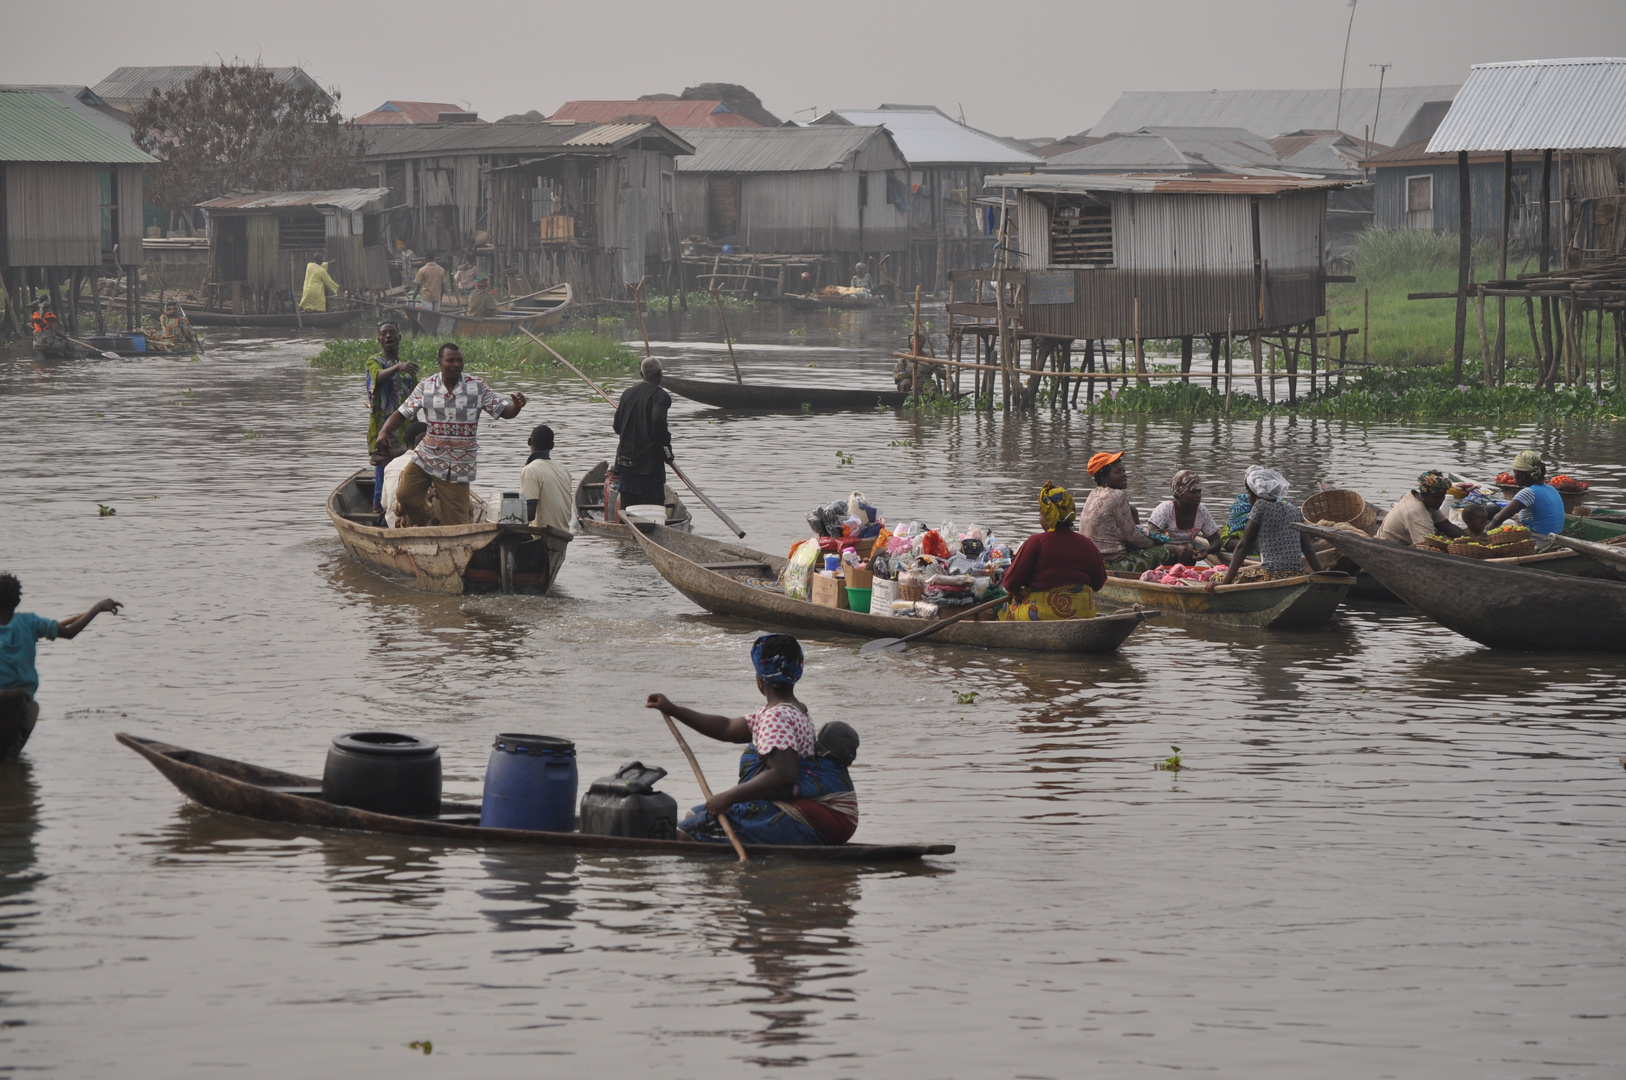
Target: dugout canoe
x=304, y=320
x=814, y=301
x=1300, y=603
x=1504, y=607
x=237, y=787
x=726, y=395
x=536, y=313
x=483, y=557
x=730, y=579
x=1610, y=555
x=590, y=507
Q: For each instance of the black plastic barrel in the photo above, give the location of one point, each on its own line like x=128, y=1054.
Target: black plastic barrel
x=384, y=772
x=530, y=784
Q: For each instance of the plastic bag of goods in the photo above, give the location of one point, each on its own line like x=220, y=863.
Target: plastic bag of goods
x=949, y=589
x=859, y=507
x=932, y=543
x=795, y=578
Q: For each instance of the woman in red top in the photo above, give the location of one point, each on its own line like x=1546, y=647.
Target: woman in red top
x=1055, y=572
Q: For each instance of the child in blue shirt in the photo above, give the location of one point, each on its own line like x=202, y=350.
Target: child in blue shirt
x=19, y=680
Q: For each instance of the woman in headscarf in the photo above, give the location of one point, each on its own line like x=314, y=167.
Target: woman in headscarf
x=1055, y=572
x=1537, y=505
x=1190, y=528
x=1420, y=513
x=1108, y=518
x=794, y=788
x=1283, y=550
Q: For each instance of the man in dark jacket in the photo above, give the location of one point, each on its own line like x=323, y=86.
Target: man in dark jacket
x=646, y=443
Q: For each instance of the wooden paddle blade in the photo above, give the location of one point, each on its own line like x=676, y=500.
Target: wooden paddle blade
x=885, y=643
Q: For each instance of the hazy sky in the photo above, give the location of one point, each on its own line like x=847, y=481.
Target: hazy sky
x=1038, y=68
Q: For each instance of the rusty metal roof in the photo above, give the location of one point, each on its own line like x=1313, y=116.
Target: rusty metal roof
x=409, y=112
x=515, y=137
x=781, y=149
x=1156, y=184
x=34, y=127
x=1571, y=104
x=339, y=198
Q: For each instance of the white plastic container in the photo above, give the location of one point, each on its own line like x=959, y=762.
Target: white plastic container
x=645, y=514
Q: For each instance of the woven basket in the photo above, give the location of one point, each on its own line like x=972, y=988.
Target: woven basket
x=910, y=592
x=1435, y=544
x=1508, y=538
x=1473, y=549
x=1336, y=504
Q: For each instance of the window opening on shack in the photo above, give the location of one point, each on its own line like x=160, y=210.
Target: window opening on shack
x=301, y=232
x=1080, y=231
x=1420, y=201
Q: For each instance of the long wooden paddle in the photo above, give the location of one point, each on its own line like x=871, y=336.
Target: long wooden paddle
x=893, y=644
x=705, y=788
x=701, y=495
x=94, y=349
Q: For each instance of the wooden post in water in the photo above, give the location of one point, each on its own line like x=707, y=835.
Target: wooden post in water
x=1465, y=254
x=1484, y=339
x=1185, y=359
x=1229, y=322
x=1366, y=323
x=1547, y=370
x=1140, y=354
x=1500, y=368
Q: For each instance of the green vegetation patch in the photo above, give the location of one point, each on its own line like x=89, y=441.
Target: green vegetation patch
x=592, y=352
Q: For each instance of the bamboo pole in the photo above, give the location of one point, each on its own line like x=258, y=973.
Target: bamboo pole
x=1228, y=332
x=638, y=300
x=1484, y=340
x=727, y=338
x=705, y=788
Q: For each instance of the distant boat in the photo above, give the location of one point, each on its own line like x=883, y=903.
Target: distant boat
x=814, y=301
x=726, y=395
x=330, y=319
x=482, y=557
x=536, y=312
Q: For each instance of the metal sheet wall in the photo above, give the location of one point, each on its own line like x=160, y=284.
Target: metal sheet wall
x=1204, y=233
x=1172, y=304
x=799, y=213
x=1032, y=232
x=130, y=215
x=1290, y=230
x=53, y=215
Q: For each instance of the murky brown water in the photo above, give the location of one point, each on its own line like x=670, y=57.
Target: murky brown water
x=1395, y=853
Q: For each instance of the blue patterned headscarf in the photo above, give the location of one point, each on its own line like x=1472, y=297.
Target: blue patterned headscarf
x=778, y=659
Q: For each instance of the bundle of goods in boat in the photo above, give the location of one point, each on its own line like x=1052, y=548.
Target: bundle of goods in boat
x=1569, y=484
x=1510, y=541
x=1179, y=574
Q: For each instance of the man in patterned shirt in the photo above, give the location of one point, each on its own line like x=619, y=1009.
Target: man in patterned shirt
x=451, y=403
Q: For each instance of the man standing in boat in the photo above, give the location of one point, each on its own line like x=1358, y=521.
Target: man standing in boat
x=646, y=443
x=451, y=403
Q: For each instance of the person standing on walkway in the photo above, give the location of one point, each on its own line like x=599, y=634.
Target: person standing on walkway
x=451, y=403
x=646, y=442
x=431, y=282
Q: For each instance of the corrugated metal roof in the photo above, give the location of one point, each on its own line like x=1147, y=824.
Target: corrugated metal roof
x=674, y=114
x=33, y=127
x=339, y=198
x=927, y=136
x=523, y=137
x=1573, y=104
x=782, y=149
x=1416, y=153
x=1162, y=185
x=136, y=83
x=1167, y=149
x=1272, y=112
x=409, y=112
x=82, y=100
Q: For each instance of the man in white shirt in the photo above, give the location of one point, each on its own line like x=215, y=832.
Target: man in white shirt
x=545, y=483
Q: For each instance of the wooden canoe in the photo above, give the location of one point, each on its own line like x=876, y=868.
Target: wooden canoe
x=1609, y=555
x=726, y=395
x=590, y=507
x=1300, y=603
x=538, y=312
x=730, y=579
x=814, y=301
x=236, y=787
x=484, y=557
x=1505, y=607
x=304, y=320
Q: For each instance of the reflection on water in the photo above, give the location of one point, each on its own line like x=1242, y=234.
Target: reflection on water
x=1392, y=851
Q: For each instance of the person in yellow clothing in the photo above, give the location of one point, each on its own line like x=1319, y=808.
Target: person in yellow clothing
x=317, y=283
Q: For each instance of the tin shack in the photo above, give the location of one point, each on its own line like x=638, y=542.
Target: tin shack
x=260, y=243
x=544, y=201
x=70, y=202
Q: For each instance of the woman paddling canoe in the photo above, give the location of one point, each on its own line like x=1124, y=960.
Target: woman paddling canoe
x=793, y=789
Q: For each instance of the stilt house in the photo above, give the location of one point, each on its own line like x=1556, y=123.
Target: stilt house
x=591, y=204
x=70, y=201
x=259, y=244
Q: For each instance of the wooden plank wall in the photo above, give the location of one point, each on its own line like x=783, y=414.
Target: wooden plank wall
x=53, y=215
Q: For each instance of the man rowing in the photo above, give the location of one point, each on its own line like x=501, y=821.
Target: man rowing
x=646, y=442
x=451, y=403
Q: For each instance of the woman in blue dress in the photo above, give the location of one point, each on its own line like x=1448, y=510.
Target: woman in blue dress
x=794, y=787
x=1537, y=504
